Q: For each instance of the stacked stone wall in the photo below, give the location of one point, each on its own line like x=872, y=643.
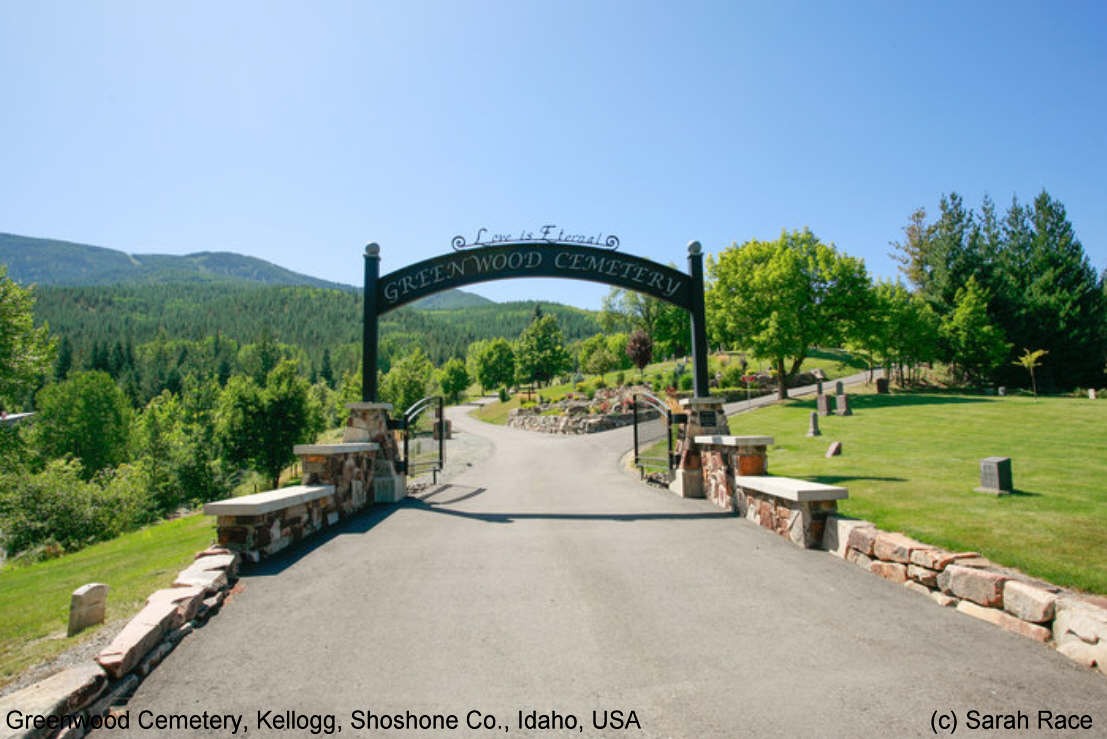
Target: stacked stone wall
x=1074, y=624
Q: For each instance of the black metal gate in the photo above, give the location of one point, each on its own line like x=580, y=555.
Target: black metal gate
x=653, y=436
x=425, y=437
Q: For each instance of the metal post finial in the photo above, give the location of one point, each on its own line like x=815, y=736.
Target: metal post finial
x=372, y=249
x=694, y=247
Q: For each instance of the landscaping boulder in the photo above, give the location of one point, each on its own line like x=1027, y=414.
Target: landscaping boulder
x=1028, y=602
x=138, y=637
x=926, y=576
x=896, y=547
x=837, y=531
x=64, y=693
x=862, y=539
x=893, y=571
x=980, y=586
x=1005, y=621
x=933, y=559
x=1080, y=631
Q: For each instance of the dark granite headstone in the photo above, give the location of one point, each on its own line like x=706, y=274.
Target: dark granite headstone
x=882, y=385
x=813, y=426
x=823, y=404
x=838, y=388
x=841, y=405
x=818, y=387
x=995, y=476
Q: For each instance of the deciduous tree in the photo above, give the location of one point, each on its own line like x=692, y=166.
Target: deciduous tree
x=779, y=298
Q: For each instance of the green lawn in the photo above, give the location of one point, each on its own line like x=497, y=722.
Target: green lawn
x=911, y=462
x=34, y=600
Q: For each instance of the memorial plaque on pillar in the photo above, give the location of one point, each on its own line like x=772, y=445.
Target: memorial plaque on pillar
x=708, y=419
x=823, y=404
x=995, y=476
x=841, y=405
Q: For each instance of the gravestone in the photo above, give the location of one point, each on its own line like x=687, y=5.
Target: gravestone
x=834, y=450
x=813, y=426
x=841, y=405
x=882, y=385
x=822, y=402
x=818, y=387
x=1002, y=390
x=1091, y=393
x=995, y=476
x=87, y=606
x=838, y=390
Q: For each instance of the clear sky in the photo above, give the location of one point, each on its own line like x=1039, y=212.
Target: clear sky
x=297, y=132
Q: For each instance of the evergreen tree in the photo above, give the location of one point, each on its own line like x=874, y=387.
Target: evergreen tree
x=65, y=359
x=326, y=372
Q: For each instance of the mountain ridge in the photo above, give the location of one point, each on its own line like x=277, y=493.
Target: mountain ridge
x=61, y=263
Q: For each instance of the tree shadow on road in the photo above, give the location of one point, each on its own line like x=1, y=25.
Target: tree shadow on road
x=497, y=517
x=359, y=523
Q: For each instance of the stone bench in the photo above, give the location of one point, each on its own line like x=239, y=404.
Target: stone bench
x=796, y=509
x=262, y=524
x=725, y=457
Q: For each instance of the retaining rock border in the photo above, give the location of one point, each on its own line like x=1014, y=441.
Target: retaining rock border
x=977, y=587
x=79, y=698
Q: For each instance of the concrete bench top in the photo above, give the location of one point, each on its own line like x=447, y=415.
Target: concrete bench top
x=273, y=500
x=347, y=448
x=789, y=488
x=735, y=440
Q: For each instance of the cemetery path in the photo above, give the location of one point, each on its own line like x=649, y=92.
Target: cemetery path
x=740, y=406
x=547, y=579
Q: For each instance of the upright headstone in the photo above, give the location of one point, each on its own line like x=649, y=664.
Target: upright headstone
x=1002, y=390
x=882, y=385
x=838, y=389
x=995, y=476
x=87, y=606
x=841, y=405
x=813, y=425
x=818, y=387
x=822, y=402
x=1091, y=393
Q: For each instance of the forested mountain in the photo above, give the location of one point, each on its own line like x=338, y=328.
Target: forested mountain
x=311, y=318
x=51, y=262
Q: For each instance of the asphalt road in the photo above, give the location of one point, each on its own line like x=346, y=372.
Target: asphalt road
x=547, y=579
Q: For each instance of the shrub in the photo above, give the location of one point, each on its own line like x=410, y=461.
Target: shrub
x=504, y=397
x=600, y=382
x=685, y=382
x=621, y=378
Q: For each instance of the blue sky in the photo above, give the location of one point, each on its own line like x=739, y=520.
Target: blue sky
x=299, y=132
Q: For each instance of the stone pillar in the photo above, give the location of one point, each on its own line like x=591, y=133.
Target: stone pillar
x=705, y=417
x=368, y=421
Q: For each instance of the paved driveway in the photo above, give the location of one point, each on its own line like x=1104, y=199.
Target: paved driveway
x=546, y=579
